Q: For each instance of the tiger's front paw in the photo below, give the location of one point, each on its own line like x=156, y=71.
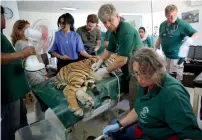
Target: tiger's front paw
x=77, y=111
x=84, y=98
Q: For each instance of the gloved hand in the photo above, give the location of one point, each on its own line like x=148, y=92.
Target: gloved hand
x=100, y=73
x=188, y=40
x=184, y=49
x=111, y=128
x=97, y=65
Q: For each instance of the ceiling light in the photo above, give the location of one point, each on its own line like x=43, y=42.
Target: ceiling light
x=69, y=9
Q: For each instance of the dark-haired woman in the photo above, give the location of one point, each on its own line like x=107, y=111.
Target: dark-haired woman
x=145, y=38
x=68, y=44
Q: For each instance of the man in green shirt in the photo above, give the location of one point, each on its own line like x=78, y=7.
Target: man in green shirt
x=14, y=86
x=107, y=37
x=171, y=35
x=124, y=40
x=108, y=34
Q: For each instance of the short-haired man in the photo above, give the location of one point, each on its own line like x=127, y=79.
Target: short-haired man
x=13, y=87
x=171, y=35
x=90, y=35
x=124, y=40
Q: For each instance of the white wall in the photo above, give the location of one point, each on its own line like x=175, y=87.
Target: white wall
x=198, y=25
x=9, y=23
x=136, y=18
x=159, y=16
x=80, y=19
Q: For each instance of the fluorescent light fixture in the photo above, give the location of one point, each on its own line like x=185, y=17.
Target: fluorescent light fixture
x=69, y=9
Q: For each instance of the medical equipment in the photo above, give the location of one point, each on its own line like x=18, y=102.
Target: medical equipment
x=171, y=32
x=41, y=37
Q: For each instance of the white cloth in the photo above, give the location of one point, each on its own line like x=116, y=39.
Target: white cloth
x=173, y=67
x=100, y=73
x=97, y=65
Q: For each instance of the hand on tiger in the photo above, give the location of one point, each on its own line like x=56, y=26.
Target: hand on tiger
x=96, y=48
x=100, y=73
x=97, y=65
x=64, y=57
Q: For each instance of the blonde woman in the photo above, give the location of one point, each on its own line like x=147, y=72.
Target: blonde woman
x=19, y=41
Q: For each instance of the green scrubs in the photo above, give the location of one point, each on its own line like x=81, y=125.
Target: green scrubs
x=102, y=47
x=107, y=35
x=172, y=36
x=153, y=39
x=125, y=41
x=147, y=42
x=165, y=112
x=14, y=82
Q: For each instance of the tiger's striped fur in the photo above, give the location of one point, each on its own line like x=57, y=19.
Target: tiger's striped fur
x=73, y=76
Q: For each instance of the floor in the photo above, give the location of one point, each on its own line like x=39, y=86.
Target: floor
x=95, y=126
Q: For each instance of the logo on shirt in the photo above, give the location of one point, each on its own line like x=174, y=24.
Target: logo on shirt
x=144, y=112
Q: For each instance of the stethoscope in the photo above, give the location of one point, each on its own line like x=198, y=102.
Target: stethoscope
x=171, y=32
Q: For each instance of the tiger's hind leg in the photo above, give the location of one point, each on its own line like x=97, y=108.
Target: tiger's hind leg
x=70, y=94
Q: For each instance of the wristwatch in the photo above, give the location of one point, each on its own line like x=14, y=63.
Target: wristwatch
x=120, y=126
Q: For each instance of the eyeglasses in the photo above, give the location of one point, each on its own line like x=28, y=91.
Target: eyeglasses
x=63, y=23
x=136, y=74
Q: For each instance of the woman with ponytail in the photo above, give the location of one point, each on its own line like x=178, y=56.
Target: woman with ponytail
x=68, y=44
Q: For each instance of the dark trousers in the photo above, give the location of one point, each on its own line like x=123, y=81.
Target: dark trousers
x=13, y=117
x=61, y=63
x=127, y=134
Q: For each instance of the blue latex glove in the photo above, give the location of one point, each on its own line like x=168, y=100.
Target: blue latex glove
x=111, y=128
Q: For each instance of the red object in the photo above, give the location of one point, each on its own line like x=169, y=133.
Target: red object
x=47, y=75
x=139, y=133
x=174, y=138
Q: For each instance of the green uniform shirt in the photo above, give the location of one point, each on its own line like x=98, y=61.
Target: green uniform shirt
x=102, y=47
x=107, y=35
x=147, y=42
x=125, y=41
x=165, y=112
x=14, y=84
x=172, y=36
x=153, y=39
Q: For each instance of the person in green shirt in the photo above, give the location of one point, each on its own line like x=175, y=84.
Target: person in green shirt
x=155, y=35
x=171, y=35
x=144, y=37
x=107, y=37
x=124, y=40
x=108, y=34
x=13, y=87
x=162, y=110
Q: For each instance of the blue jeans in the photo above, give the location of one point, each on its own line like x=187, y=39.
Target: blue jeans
x=127, y=134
